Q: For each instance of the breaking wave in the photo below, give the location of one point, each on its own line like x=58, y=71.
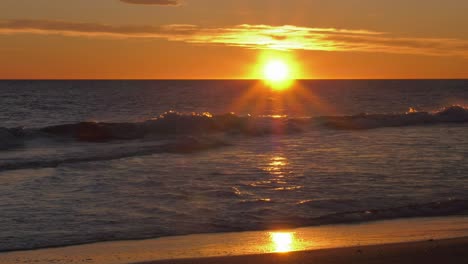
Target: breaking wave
x=173, y=124
x=451, y=114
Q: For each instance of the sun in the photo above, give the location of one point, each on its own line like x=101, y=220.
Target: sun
x=276, y=71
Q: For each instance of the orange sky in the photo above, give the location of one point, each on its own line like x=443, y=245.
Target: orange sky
x=192, y=39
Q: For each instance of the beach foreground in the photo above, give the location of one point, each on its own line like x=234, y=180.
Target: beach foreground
x=395, y=240
x=431, y=251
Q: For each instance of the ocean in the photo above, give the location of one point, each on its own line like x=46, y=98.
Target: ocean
x=91, y=161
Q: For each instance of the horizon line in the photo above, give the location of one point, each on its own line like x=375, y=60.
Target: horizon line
x=227, y=79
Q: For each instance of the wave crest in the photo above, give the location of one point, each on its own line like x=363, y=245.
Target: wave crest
x=451, y=114
x=171, y=124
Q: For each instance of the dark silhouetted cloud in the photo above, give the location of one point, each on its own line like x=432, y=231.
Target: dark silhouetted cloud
x=153, y=2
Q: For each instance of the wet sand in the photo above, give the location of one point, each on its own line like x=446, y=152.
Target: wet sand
x=427, y=252
x=445, y=240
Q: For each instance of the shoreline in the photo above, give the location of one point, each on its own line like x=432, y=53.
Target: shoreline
x=446, y=251
x=251, y=243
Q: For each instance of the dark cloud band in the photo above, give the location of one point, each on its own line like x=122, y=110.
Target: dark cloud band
x=153, y=2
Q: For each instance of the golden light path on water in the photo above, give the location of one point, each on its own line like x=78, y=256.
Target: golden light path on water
x=282, y=241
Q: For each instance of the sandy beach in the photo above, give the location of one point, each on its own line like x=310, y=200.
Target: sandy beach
x=432, y=251
x=444, y=240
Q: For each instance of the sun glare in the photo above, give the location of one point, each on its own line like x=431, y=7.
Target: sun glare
x=282, y=241
x=276, y=71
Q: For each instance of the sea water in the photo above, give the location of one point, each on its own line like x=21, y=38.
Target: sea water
x=88, y=161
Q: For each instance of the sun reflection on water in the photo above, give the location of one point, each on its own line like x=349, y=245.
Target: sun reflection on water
x=282, y=242
x=277, y=163
x=276, y=166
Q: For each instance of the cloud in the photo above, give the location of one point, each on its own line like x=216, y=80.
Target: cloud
x=153, y=2
x=285, y=37
x=57, y=27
